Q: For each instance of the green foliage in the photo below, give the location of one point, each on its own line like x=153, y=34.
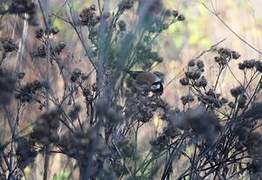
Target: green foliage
x=194, y=31
x=62, y=175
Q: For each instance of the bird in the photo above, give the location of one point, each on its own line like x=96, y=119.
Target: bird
x=147, y=81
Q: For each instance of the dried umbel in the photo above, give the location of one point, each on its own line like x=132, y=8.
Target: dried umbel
x=184, y=81
x=76, y=75
x=142, y=107
x=228, y=53
x=237, y=91
x=41, y=51
x=194, y=72
x=225, y=55
x=187, y=99
x=8, y=45
x=28, y=93
x=45, y=128
x=40, y=33
x=88, y=16
x=212, y=99
x=251, y=64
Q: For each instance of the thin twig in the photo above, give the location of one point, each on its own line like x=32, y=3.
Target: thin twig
x=231, y=30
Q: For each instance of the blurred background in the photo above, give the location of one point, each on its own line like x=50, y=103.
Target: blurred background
x=177, y=45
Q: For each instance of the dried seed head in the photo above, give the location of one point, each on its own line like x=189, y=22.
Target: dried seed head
x=8, y=45
x=40, y=51
x=250, y=63
x=200, y=64
x=242, y=101
x=202, y=81
x=76, y=75
x=27, y=92
x=58, y=48
x=191, y=63
x=88, y=16
x=237, y=91
x=184, y=81
x=231, y=105
x=187, y=99
x=39, y=33
x=235, y=55
x=241, y=66
x=180, y=17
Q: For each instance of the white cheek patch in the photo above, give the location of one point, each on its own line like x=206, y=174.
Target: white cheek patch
x=155, y=87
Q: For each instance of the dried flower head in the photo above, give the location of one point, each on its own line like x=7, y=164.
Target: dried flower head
x=88, y=16
x=237, y=91
x=184, y=81
x=28, y=92
x=45, y=128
